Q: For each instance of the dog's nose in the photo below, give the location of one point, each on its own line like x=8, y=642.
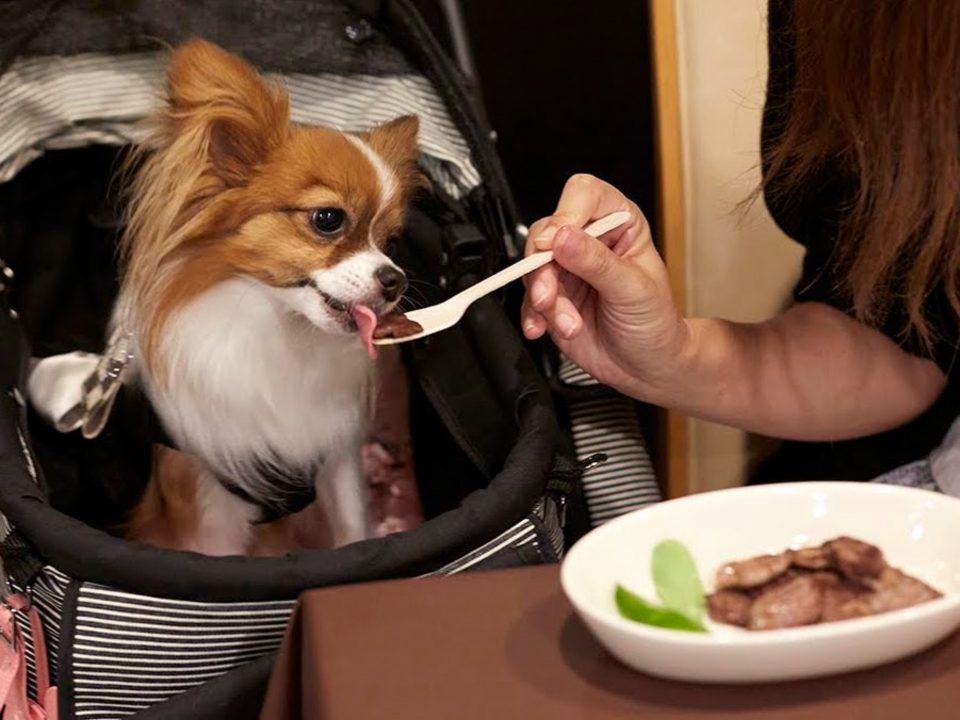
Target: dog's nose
x=392, y=281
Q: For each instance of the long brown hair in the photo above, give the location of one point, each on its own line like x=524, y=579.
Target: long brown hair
x=877, y=88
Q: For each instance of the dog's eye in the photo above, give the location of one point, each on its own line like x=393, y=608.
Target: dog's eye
x=327, y=220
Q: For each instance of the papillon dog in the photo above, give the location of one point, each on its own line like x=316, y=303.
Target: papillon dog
x=253, y=249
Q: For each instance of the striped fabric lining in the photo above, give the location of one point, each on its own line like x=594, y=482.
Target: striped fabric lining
x=553, y=524
x=132, y=651
x=609, y=425
x=46, y=593
x=63, y=102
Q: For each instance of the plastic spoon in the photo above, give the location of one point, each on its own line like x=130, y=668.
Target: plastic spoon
x=445, y=315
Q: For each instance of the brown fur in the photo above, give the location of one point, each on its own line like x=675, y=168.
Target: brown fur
x=224, y=168
x=876, y=96
x=166, y=515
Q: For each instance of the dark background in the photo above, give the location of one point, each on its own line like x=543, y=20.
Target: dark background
x=568, y=88
x=567, y=85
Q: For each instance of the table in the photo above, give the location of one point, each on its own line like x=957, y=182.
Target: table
x=506, y=644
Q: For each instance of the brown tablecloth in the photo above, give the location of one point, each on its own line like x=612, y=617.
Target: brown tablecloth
x=506, y=644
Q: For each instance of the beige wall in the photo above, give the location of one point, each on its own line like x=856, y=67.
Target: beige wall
x=738, y=267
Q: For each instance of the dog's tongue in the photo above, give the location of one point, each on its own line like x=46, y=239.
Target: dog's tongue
x=366, y=320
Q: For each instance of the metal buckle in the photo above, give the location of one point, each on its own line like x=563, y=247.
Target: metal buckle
x=7, y=590
x=592, y=461
x=561, y=501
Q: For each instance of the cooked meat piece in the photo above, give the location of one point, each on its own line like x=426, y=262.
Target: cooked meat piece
x=894, y=590
x=855, y=559
x=846, y=604
x=791, y=604
x=729, y=606
x=842, y=598
x=396, y=325
x=840, y=580
x=812, y=558
x=753, y=572
x=827, y=579
x=779, y=580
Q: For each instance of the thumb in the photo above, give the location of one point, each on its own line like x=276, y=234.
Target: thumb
x=589, y=259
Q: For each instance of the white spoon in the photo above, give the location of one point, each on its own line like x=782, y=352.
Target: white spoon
x=445, y=315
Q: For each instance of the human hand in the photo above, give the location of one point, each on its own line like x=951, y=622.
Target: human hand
x=605, y=302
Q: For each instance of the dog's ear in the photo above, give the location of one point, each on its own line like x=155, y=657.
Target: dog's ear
x=396, y=142
x=238, y=115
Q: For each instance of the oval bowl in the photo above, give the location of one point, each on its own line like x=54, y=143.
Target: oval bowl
x=917, y=530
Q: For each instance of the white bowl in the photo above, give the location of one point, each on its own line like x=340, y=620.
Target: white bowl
x=918, y=531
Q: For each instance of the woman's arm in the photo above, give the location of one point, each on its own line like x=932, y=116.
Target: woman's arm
x=811, y=373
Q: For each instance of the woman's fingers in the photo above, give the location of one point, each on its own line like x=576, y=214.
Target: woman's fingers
x=536, y=231
x=584, y=198
x=542, y=286
x=574, y=288
x=547, y=307
x=533, y=323
x=591, y=260
x=563, y=319
x=541, y=283
x=555, y=291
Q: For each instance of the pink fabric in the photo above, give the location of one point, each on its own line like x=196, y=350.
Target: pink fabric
x=13, y=665
x=388, y=456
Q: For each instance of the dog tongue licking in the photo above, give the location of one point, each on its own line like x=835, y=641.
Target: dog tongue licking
x=366, y=320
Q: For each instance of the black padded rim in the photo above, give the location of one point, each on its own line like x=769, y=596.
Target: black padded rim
x=92, y=555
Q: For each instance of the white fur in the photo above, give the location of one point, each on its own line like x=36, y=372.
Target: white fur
x=385, y=175
x=353, y=280
x=247, y=375
x=341, y=491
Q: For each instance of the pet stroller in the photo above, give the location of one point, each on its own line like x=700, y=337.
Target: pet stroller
x=508, y=439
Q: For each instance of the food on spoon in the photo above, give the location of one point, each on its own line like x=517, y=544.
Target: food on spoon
x=370, y=327
x=396, y=325
x=841, y=579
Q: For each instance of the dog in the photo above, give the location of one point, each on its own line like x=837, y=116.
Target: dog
x=253, y=250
